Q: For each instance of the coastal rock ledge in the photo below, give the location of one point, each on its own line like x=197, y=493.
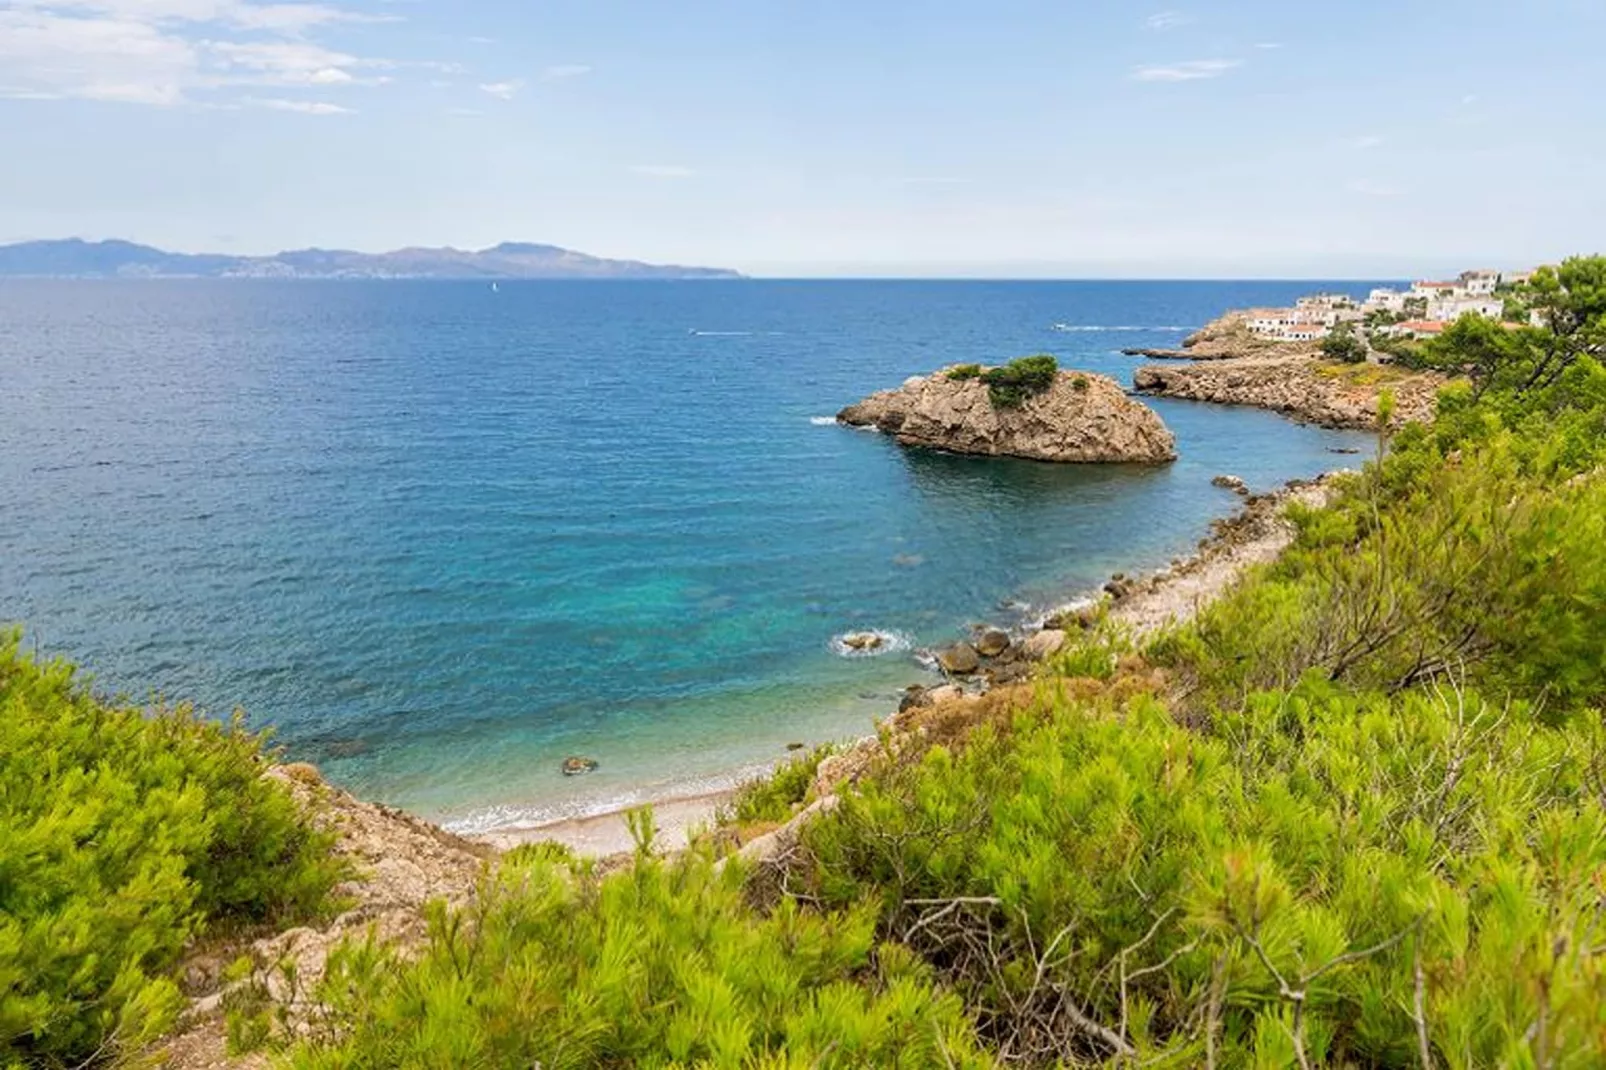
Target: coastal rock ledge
x=1079, y=418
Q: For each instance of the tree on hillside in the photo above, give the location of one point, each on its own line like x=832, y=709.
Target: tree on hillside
x=1569, y=306
x=1344, y=345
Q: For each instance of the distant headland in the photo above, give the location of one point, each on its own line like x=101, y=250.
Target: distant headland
x=75, y=258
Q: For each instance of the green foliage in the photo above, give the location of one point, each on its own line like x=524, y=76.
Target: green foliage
x=961, y=372
x=122, y=836
x=1080, y=384
x=664, y=964
x=1009, y=386
x=1103, y=881
x=1474, y=567
x=774, y=797
x=1343, y=345
x=1569, y=302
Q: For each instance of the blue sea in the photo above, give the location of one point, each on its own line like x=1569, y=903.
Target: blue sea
x=440, y=537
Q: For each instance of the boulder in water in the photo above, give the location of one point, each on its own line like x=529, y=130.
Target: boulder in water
x=1078, y=417
x=992, y=643
x=1232, y=483
x=863, y=641
x=960, y=659
x=574, y=765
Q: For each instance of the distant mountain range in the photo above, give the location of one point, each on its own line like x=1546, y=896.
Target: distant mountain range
x=77, y=259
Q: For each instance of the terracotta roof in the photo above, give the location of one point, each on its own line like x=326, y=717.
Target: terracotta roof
x=1436, y=285
x=1423, y=326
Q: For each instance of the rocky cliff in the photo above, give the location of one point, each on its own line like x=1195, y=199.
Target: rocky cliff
x=1079, y=418
x=1301, y=386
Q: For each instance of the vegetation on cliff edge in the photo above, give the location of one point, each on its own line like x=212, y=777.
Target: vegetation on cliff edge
x=124, y=836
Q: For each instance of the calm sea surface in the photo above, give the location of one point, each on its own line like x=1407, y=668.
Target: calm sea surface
x=441, y=537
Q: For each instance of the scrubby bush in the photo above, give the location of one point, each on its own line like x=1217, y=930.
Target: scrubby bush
x=774, y=797
x=961, y=372
x=1010, y=385
x=1343, y=345
x=122, y=837
x=664, y=964
x=1321, y=877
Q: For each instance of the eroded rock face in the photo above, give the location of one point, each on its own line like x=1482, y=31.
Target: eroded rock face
x=1081, y=418
x=1302, y=387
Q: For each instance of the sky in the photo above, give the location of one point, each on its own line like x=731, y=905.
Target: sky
x=1012, y=138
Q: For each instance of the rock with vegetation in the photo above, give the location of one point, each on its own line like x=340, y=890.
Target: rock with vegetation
x=1024, y=409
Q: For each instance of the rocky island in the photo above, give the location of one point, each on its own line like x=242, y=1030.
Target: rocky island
x=1028, y=408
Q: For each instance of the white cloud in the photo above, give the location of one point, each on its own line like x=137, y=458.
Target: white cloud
x=1190, y=71
x=304, y=107
x=169, y=52
x=1367, y=188
x=1167, y=20
x=1365, y=141
x=661, y=170
x=1469, y=100
x=503, y=90
x=1268, y=45
x=561, y=71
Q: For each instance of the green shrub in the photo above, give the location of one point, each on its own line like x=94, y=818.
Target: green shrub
x=1343, y=345
x=1010, y=385
x=122, y=837
x=961, y=372
x=664, y=964
x=1101, y=883
x=776, y=796
x=1477, y=568
x=1080, y=384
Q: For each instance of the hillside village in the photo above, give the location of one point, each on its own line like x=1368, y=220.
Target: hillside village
x=1424, y=310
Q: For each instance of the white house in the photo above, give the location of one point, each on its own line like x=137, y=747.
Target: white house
x=1450, y=309
x=1480, y=283
x=1385, y=300
x=1433, y=291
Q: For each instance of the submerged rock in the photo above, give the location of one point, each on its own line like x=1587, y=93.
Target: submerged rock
x=578, y=766
x=1080, y=417
x=863, y=641
x=1232, y=483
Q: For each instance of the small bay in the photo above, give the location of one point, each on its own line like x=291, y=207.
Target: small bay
x=440, y=537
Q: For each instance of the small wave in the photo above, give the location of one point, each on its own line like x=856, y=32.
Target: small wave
x=721, y=334
x=1080, y=328
x=513, y=818
x=890, y=642
x=823, y=421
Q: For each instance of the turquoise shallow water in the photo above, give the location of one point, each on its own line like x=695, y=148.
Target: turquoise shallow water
x=441, y=537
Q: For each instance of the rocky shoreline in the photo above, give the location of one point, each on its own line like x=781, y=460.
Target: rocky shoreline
x=1225, y=338
x=1300, y=386
x=993, y=658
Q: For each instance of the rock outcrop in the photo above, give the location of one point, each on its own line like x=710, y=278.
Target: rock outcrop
x=1301, y=386
x=1079, y=418
x=1225, y=338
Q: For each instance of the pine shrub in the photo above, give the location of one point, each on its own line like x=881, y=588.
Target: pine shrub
x=664, y=964
x=124, y=836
